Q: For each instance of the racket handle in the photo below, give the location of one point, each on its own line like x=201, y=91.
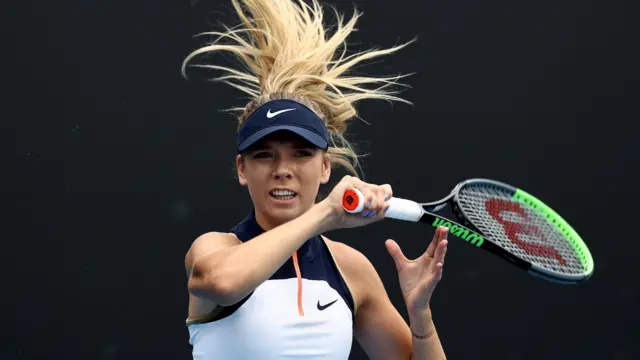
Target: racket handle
x=399, y=209
x=353, y=200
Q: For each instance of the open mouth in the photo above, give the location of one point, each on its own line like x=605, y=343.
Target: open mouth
x=283, y=194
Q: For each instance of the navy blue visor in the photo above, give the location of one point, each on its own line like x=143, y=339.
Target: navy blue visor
x=283, y=115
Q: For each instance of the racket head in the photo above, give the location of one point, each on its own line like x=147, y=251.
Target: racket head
x=525, y=227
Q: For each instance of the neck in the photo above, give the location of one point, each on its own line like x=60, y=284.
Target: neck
x=267, y=222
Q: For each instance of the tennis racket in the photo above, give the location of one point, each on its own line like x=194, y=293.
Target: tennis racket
x=503, y=220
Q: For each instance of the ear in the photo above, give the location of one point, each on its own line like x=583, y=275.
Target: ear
x=326, y=169
x=240, y=167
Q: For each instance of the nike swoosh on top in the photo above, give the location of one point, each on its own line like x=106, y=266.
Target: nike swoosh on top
x=271, y=115
x=322, y=307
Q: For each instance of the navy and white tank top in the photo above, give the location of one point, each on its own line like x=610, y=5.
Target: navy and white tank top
x=276, y=321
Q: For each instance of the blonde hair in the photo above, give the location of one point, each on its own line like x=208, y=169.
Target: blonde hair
x=286, y=54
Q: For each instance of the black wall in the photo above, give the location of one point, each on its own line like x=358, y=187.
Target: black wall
x=120, y=164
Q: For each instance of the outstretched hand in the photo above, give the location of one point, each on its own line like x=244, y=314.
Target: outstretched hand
x=419, y=277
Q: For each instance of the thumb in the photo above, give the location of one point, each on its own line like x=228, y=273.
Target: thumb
x=396, y=254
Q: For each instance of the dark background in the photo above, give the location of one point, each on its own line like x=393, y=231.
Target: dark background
x=120, y=164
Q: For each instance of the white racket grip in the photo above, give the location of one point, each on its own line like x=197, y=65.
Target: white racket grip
x=402, y=209
x=399, y=209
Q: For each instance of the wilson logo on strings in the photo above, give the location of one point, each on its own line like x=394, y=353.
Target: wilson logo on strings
x=459, y=231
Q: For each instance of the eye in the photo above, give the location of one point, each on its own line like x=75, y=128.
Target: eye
x=262, y=155
x=303, y=153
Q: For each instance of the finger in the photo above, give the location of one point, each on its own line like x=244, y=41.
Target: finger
x=372, y=204
x=358, y=183
x=434, y=242
x=380, y=200
x=369, y=201
x=441, y=252
x=382, y=213
x=396, y=254
x=348, y=181
x=387, y=191
x=443, y=235
x=439, y=271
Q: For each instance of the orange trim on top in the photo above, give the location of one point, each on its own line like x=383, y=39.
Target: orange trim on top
x=299, y=276
x=344, y=277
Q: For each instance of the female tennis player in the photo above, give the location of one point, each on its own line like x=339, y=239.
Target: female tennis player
x=274, y=287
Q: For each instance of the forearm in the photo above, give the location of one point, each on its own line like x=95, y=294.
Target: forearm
x=232, y=273
x=425, y=341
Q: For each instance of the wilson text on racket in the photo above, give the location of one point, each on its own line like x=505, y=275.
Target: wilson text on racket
x=459, y=231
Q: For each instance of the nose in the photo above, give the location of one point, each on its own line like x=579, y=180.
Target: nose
x=283, y=169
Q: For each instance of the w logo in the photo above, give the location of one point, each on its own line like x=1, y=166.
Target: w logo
x=349, y=199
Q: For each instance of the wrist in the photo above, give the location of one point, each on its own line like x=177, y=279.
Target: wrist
x=420, y=314
x=421, y=323
x=324, y=215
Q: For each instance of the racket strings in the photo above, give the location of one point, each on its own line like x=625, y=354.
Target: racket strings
x=518, y=229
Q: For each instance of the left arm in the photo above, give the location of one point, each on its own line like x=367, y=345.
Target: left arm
x=425, y=340
x=383, y=333
x=379, y=328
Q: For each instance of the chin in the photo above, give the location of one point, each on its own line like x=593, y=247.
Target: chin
x=283, y=215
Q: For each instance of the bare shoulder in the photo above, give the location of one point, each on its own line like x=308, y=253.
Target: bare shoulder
x=348, y=258
x=208, y=243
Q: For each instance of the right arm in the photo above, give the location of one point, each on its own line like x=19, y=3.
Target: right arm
x=226, y=271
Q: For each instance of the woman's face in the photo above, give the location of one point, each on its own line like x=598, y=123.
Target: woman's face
x=283, y=174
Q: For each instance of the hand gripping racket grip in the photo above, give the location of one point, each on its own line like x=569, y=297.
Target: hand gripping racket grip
x=399, y=209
